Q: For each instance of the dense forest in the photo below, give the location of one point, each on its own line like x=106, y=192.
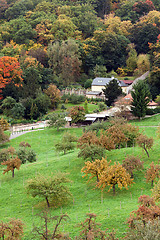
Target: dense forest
x=67, y=43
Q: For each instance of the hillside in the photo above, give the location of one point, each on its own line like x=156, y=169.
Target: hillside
x=112, y=211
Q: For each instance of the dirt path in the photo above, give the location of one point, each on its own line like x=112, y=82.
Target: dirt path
x=15, y=135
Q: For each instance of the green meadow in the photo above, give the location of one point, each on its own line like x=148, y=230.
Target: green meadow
x=112, y=211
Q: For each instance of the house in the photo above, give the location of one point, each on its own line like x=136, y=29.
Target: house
x=125, y=103
x=99, y=84
x=95, y=94
x=91, y=118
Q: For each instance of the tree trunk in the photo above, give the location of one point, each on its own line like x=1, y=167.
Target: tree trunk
x=97, y=177
x=47, y=202
x=146, y=152
x=114, y=190
x=152, y=183
x=131, y=174
x=13, y=173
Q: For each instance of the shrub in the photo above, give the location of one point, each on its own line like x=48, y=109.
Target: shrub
x=88, y=83
x=18, y=111
x=26, y=154
x=101, y=106
x=31, y=156
x=63, y=107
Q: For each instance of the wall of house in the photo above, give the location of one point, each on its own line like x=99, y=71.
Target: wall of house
x=152, y=107
x=97, y=88
x=91, y=96
x=124, y=89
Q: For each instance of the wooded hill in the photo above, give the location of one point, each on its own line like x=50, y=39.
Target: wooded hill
x=69, y=42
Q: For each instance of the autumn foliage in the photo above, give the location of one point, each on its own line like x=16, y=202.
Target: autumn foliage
x=88, y=138
x=116, y=133
x=115, y=175
x=95, y=168
x=90, y=229
x=54, y=94
x=152, y=173
x=145, y=142
x=3, y=137
x=4, y=124
x=147, y=211
x=77, y=114
x=13, y=230
x=12, y=163
x=106, y=141
x=132, y=163
x=10, y=71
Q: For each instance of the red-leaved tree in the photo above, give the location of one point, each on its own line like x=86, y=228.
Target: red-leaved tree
x=10, y=71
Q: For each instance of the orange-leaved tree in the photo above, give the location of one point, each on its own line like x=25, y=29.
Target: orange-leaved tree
x=91, y=230
x=10, y=71
x=152, y=173
x=3, y=137
x=115, y=175
x=77, y=113
x=95, y=168
x=88, y=138
x=147, y=211
x=117, y=135
x=145, y=143
x=13, y=162
x=106, y=141
x=54, y=94
x=131, y=163
x=12, y=229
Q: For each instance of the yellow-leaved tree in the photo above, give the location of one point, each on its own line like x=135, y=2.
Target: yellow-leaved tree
x=95, y=168
x=115, y=175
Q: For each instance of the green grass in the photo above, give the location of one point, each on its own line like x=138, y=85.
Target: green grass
x=129, y=77
x=112, y=211
x=149, y=121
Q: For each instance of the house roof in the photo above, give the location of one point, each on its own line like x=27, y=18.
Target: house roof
x=90, y=119
x=103, y=81
x=128, y=99
x=128, y=82
x=93, y=93
x=97, y=115
x=152, y=103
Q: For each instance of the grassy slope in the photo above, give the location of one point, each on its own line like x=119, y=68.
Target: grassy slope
x=112, y=211
x=149, y=121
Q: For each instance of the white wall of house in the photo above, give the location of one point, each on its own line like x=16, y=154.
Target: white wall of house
x=152, y=107
x=97, y=88
x=91, y=96
x=124, y=90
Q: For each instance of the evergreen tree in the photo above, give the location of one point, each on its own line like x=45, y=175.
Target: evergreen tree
x=141, y=98
x=111, y=91
x=86, y=106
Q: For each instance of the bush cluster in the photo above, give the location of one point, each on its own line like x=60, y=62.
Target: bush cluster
x=73, y=98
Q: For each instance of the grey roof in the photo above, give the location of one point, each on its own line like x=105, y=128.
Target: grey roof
x=68, y=119
x=93, y=93
x=103, y=81
x=97, y=115
x=90, y=119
